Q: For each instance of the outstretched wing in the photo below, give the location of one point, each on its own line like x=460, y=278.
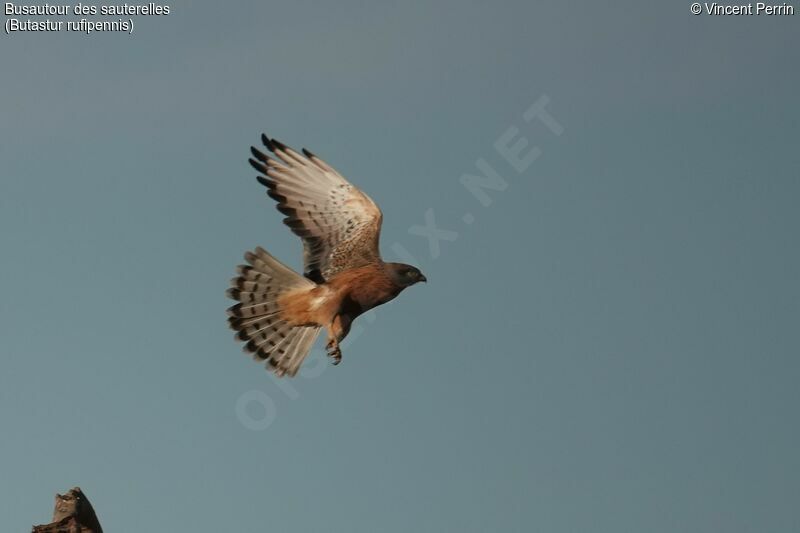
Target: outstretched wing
x=340, y=225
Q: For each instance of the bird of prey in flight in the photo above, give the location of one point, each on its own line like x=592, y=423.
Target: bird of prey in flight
x=280, y=313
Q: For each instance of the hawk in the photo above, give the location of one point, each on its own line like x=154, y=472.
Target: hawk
x=280, y=313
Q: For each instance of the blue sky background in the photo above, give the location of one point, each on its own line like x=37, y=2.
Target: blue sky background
x=611, y=346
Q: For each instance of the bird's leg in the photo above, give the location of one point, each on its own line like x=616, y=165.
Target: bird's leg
x=337, y=330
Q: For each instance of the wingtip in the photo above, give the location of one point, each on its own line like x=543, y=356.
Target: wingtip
x=258, y=154
x=267, y=142
x=279, y=145
x=275, y=195
x=257, y=165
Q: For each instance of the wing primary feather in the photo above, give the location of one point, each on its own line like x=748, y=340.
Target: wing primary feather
x=267, y=142
x=291, y=157
x=276, y=196
x=280, y=145
x=258, y=154
x=339, y=224
x=258, y=166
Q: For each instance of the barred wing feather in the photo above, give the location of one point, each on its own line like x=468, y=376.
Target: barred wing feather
x=339, y=224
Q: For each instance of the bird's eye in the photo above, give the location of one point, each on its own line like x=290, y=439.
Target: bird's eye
x=410, y=273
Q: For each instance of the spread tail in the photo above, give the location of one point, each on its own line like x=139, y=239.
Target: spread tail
x=257, y=317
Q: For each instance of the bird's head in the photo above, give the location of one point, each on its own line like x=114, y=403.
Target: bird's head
x=405, y=275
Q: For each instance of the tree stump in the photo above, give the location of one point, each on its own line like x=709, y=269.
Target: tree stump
x=72, y=514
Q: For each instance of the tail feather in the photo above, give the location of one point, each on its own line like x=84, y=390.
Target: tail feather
x=295, y=359
x=283, y=344
x=249, y=297
x=252, y=286
x=249, y=311
x=262, y=343
x=289, y=356
x=257, y=317
x=256, y=328
x=237, y=323
x=251, y=274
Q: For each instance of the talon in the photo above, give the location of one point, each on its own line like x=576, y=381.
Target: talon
x=334, y=352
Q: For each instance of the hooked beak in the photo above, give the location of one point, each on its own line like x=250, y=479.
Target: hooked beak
x=423, y=278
